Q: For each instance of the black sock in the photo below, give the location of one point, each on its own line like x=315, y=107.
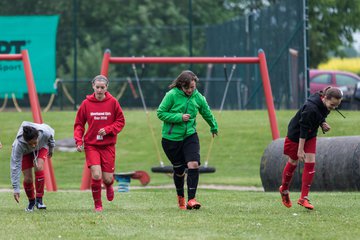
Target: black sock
x=39, y=200
x=179, y=184
x=192, y=182
x=31, y=203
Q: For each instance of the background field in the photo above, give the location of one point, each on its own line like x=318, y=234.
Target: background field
x=152, y=213
x=236, y=154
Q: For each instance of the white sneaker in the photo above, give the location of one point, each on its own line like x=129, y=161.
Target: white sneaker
x=30, y=207
x=39, y=204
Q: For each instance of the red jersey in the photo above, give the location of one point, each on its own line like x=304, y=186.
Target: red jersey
x=97, y=114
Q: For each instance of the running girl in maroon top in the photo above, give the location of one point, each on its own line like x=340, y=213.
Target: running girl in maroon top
x=105, y=119
x=300, y=142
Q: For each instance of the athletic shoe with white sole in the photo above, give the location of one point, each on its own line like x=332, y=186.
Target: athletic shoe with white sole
x=31, y=206
x=39, y=204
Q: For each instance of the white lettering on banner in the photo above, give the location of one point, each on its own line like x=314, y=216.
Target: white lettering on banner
x=100, y=115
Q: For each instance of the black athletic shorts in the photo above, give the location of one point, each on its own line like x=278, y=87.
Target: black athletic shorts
x=182, y=152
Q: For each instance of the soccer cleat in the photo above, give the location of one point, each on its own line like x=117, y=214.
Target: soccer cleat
x=285, y=197
x=305, y=203
x=181, y=202
x=30, y=207
x=110, y=193
x=39, y=204
x=193, y=204
x=98, y=209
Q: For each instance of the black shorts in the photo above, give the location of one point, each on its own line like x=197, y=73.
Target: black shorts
x=182, y=152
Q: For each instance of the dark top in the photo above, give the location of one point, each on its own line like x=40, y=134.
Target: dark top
x=307, y=120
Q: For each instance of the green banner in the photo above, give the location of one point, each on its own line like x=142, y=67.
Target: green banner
x=37, y=34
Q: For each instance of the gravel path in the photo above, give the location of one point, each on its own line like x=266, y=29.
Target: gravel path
x=170, y=186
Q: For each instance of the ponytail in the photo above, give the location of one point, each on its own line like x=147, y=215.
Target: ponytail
x=331, y=92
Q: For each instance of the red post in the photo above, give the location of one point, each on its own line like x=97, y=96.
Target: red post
x=86, y=178
x=33, y=97
x=105, y=63
x=268, y=94
x=50, y=181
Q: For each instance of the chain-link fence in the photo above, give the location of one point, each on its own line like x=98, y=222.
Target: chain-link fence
x=279, y=30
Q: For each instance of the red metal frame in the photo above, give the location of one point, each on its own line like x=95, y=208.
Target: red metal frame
x=261, y=60
x=50, y=182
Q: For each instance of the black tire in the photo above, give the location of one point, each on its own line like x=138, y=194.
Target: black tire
x=169, y=169
x=207, y=169
x=164, y=169
x=124, y=174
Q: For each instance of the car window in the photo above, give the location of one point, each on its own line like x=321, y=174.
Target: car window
x=344, y=80
x=322, y=78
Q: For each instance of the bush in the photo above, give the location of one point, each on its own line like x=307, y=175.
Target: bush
x=342, y=64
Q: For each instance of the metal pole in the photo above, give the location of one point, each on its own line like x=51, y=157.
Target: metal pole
x=190, y=28
x=190, y=32
x=177, y=60
x=75, y=50
x=306, y=47
x=105, y=63
x=33, y=96
x=268, y=95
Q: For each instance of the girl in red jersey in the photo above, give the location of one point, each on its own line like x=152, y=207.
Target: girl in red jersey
x=105, y=119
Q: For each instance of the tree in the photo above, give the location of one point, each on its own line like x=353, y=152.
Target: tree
x=160, y=28
x=332, y=24
x=148, y=27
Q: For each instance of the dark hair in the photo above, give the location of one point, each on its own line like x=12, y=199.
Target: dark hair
x=101, y=78
x=332, y=92
x=184, y=79
x=30, y=133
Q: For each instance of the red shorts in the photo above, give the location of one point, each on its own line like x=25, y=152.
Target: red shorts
x=291, y=148
x=28, y=159
x=101, y=155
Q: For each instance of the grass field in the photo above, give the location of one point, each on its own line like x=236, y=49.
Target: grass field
x=152, y=213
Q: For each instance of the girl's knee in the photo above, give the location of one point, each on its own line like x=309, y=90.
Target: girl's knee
x=28, y=179
x=193, y=165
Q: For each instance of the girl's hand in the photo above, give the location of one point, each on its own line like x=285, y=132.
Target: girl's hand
x=325, y=127
x=185, y=117
x=17, y=197
x=79, y=148
x=301, y=155
x=102, y=132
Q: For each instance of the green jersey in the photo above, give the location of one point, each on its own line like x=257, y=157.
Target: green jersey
x=174, y=105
